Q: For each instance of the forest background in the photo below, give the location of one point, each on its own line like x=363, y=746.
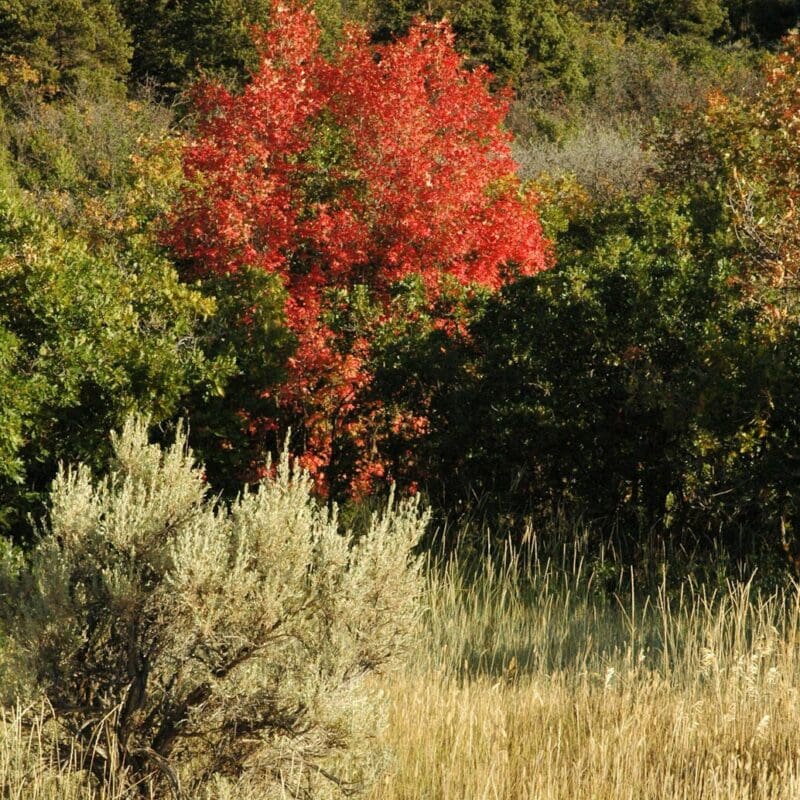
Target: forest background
x=639, y=372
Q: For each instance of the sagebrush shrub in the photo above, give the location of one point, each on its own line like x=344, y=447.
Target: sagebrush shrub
x=187, y=645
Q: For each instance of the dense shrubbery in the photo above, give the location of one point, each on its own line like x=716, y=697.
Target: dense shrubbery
x=598, y=406
x=90, y=334
x=662, y=324
x=650, y=378
x=329, y=235
x=83, y=146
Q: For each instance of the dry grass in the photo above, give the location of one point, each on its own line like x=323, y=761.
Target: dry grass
x=544, y=686
x=31, y=767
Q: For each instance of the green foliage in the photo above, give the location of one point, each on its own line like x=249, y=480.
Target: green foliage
x=762, y=21
x=550, y=33
x=512, y=37
x=63, y=44
x=12, y=410
x=636, y=75
x=89, y=334
x=702, y=18
x=209, y=649
x=632, y=80
x=334, y=15
x=248, y=340
x=83, y=146
x=108, y=169
x=651, y=378
x=580, y=387
x=174, y=41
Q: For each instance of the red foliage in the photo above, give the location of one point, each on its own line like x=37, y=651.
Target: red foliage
x=387, y=162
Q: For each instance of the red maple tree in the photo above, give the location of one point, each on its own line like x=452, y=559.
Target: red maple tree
x=344, y=177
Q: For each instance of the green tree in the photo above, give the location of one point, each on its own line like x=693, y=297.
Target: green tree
x=88, y=334
x=703, y=18
x=65, y=43
x=511, y=36
x=108, y=169
x=173, y=41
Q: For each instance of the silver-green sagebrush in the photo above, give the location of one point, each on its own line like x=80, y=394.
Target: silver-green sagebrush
x=183, y=646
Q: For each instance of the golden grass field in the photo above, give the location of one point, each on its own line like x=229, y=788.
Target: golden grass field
x=533, y=684
x=546, y=689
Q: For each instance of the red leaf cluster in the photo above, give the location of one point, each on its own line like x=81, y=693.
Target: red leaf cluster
x=383, y=163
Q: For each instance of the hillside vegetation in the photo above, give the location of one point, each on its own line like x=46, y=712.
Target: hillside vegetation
x=578, y=298
x=453, y=355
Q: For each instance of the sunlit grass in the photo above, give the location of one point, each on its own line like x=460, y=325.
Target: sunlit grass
x=537, y=680
x=32, y=767
x=535, y=684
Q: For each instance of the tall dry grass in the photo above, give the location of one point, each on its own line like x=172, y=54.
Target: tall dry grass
x=539, y=682
x=535, y=684
x=33, y=767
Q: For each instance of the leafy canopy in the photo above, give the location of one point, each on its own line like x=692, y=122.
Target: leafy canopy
x=385, y=168
x=652, y=377
x=87, y=335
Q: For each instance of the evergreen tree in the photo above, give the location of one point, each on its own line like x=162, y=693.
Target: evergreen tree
x=174, y=41
x=65, y=43
x=702, y=18
x=510, y=36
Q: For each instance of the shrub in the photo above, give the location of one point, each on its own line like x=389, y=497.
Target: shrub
x=107, y=169
x=651, y=378
x=207, y=645
x=82, y=145
x=603, y=158
x=247, y=333
x=587, y=379
x=88, y=334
